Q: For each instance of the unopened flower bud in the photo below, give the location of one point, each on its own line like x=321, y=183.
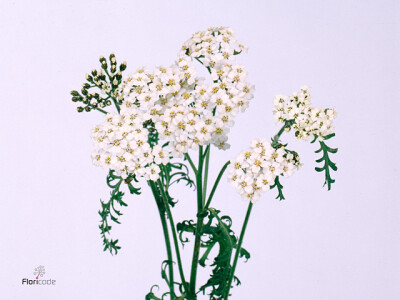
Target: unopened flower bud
x=89, y=78
x=79, y=109
x=122, y=67
x=87, y=108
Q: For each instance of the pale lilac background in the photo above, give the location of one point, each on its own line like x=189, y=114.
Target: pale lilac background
x=342, y=244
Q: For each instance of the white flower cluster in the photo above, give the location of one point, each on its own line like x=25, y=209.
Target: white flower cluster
x=309, y=120
x=185, y=111
x=121, y=144
x=255, y=169
x=215, y=46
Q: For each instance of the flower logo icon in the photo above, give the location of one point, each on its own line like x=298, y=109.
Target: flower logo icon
x=39, y=271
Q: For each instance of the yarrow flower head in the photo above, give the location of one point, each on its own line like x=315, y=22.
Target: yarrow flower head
x=216, y=46
x=309, y=121
x=121, y=144
x=254, y=171
x=184, y=111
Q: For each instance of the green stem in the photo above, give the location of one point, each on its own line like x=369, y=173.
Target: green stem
x=116, y=104
x=239, y=246
x=288, y=124
x=100, y=110
x=161, y=211
x=199, y=181
x=216, y=185
x=206, y=175
x=195, y=260
x=191, y=163
x=199, y=225
x=173, y=230
x=115, y=101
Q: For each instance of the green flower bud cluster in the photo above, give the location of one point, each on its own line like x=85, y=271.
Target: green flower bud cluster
x=106, y=80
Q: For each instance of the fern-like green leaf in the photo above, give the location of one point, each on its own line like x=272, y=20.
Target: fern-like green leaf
x=328, y=164
x=109, y=212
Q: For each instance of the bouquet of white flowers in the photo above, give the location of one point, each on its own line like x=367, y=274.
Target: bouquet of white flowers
x=164, y=116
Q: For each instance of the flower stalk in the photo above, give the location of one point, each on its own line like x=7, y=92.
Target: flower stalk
x=239, y=247
x=174, y=235
x=161, y=209
x=199, y=225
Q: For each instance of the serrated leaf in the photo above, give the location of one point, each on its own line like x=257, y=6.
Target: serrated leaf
x=329, y=136
x=327, y=162
x=114, y=219
x=133, y=190
x=333, y=166
x=108, y=211
x=331, y=150
x=279, y=187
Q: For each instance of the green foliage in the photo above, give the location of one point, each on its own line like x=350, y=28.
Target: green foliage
x=177, y=172
x=151, y=295
x=275, y=143
x=173, y=173
x=107, y=79
x=108, y=211
x=217, y=230
x=164, y=265
x=153, y=133
x=279, y=187
x=328, y=164
x=183, y=227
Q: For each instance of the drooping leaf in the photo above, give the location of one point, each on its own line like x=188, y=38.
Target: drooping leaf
x=164, y=265
x=151, y=295
x=328, y=164
x=279, y=186
x=109, y=212
x=173, y=173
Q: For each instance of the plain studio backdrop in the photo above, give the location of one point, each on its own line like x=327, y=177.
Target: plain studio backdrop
x=341, y=244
